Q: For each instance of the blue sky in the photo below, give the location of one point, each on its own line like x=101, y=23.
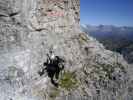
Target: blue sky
x=108, y=12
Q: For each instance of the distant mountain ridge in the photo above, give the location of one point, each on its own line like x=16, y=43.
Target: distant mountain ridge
x=110, y=30
x=114, y=38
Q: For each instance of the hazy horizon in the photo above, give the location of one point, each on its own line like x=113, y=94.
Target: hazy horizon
x=106, y=25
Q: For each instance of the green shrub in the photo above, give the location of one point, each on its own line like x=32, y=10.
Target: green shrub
x=68, y=81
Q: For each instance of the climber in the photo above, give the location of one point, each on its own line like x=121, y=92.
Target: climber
x=54, y=65
x=50, y=60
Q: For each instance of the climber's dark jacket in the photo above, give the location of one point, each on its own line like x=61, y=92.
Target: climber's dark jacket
x=53, y=67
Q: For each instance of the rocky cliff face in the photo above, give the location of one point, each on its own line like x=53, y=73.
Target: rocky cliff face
x=29, y=28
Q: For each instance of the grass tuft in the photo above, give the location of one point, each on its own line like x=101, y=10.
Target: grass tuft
x=68, y=81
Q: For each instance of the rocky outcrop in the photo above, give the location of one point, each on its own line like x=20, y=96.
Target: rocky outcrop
x=29, y=28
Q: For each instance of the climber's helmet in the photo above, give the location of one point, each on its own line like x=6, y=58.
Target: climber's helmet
x=52, y=55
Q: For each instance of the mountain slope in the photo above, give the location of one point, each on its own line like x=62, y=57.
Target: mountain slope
x=117, y=39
